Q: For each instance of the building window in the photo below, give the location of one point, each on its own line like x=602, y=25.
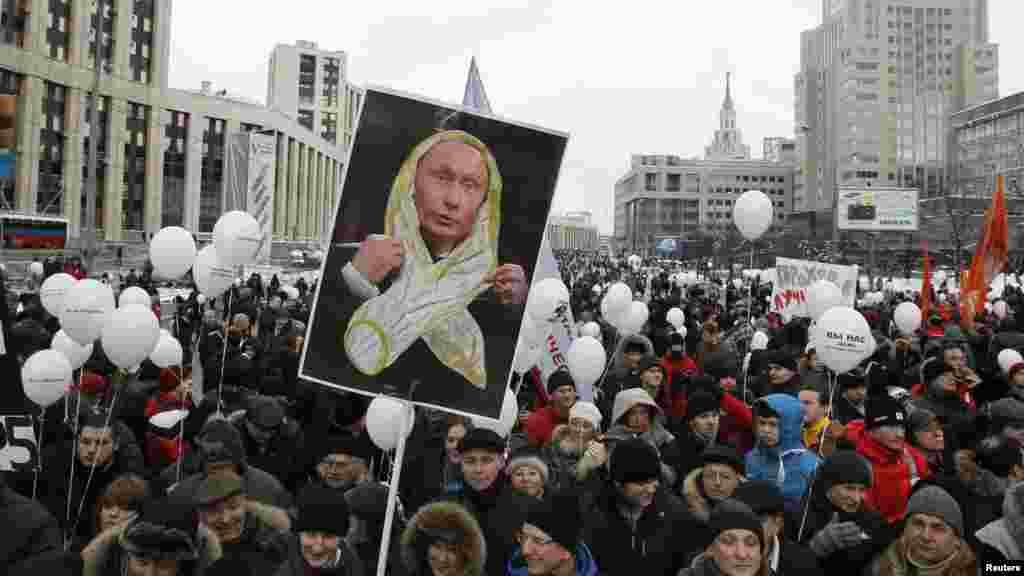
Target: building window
x=307, y=79
x=103, y=119
x=9, y=84
x=176, y=150
x=329, y=126
x=247, y=127
x=57, y=30
x=210, y=197
x=650, y=182
x=105, y=36
x=142, y=40
x=674, y=183
x=50, y=199
x=306, y=119
x=133, y=180
x=331, y=83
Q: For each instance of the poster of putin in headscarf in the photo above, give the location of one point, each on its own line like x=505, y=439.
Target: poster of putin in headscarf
x=431, y=254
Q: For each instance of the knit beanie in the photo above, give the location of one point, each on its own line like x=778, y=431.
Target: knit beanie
x=731, y=514
x=558, y=379
x=322, y=509
x=558, y=516
x=634, y=460
x=587, y=411
x=844, y=467
x=762, y=496
x=780, y=358
x=162, y=531
x=724, y=454
x=221, y=441
x=368, y=501
x=700, y=403
x=882, y=410
x=528, y=458
x=934, y=501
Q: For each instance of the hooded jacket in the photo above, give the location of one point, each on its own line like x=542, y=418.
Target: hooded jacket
x=104, y=555
x=1003, y=539
x=893, y=474
x=585, y=563
x=788, y=463
x=499, y=511
x=448, y=516
x=619, y=378
x=656, y=435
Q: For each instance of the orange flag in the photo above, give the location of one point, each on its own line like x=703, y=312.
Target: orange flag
x=926, y=283
x=990, y=255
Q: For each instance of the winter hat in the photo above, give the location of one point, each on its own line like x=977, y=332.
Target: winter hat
x=265, y=412
x=626, y=400
x=218, y=487
x=934, y=501
x=530, y=458
x=482, y=439
x=919, y=420
x=855, y=378
x=780, y=358
x=844, y=467
x=700, y=403
x=724, y=454
x=762, y=496
x=634, y=346
x=587, y=411
x=933, y=369
x=1006, y=411
x=731, y=514
x=221, y=441
x=1001, y=458
x=558, y=379
x=321, y=509
x=634, y=460
x=558, y=516
x=342, y=444
x=162, y=531
x=884, y=411
x=368, y=501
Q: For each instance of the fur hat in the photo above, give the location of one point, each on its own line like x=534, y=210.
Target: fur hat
x=934, y=501
x=634, y=461
x=587, y=411
x=321, y=509
x=528, y=458
x=447, y=522
x=163, y=531
x=482, y=439
x=700, y=403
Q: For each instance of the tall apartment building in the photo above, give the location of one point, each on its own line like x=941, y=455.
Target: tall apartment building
x=878, y=82
x=162, y=152
x=311, y=85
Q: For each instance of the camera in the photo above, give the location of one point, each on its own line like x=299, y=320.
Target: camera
x=860, y=212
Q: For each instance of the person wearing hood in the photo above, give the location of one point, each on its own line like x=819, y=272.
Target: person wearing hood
x=720, y=472
x=625, y=370
x=737, y=544
x=632, y=523
x=1003, y=540
x=575, y=451
x=938, y=392
x=783, y=555
x=836, y=522
x=562, y=395
x=444, y=539
x=779, y=455
x=549, y=544
x=319, y=547
x=164, y=539
x=272, y=440
x=931, y=541
x=895, y=466
x=487, y=495
x=635, y=415
x=678, y=369
x=219, y=446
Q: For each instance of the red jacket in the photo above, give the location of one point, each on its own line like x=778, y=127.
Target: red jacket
x=893, y=473
x=162, y=446
x=541, y=424
x=674, y=403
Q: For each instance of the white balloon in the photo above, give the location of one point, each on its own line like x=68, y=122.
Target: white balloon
x=200, y=299
x=753, y=214
x=75, y=353
x=841, y=338
x=133, y=295
x=212, y=277
x=36, y=268
x=592, y=329
x=636, y=318
x=821, y=296
x=1007, y=358
x=676, y=317
x=45, y=377
x=907, y=317
x=130, y=335
x=167, y=352
x=291, y=292
x=172, y=252
x=759, y=341
x=681, y=331
x=86, y=307
x=586, y=360
x=53, y=291
x=1000, y=309
x=237, y=238
x=168, y=418
x=546, y=297
x=619, y=297
x=532, y=333
x=526, y=357
x=384, y=418
x=506, y=422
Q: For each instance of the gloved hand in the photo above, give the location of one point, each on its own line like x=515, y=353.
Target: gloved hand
x=836, y=536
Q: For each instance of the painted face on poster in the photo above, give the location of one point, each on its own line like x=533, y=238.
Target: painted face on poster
x=429, y=280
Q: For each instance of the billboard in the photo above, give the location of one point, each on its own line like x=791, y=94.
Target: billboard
x=878, y=209
x=252, y=159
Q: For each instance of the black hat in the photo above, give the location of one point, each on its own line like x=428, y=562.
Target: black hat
x=780, y=358
x=634, y=346
x=700, y=403
x=764, y=409
x=762, y=496
x=360, y=447
x=920, y=419
x=368, y=501
x=162, y=531
x=853, y=379
x=1001, y=458
x=558, y=379
x=675, y=339
x=731, y=514
x=635, y=460
x=265, y=412
x=221, y=441
x=322, y=509
x=482, y=439
x=933, y=369
x=723, y=454
x=882, y=410
x=558, y=515
x=844, y=467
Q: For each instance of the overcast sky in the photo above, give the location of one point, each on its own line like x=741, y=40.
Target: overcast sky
x=633, y=77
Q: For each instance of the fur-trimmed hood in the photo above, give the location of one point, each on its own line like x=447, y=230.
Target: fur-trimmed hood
x=102, y=557
x=694, y=496
x=444, y=516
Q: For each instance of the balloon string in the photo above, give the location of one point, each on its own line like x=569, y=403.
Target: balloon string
x=223, y=361
x=833, y=381
x=92, y=466
x=181, y=424
x=74, y=455
x=39, y=449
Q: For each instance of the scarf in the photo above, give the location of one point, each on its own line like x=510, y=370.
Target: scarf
x=428, y=300
x=896, y=561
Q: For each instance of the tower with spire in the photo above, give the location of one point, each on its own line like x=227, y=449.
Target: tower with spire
x=728, y=141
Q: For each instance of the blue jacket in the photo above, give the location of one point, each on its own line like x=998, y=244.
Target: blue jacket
x=585, y=564
x=797, y=463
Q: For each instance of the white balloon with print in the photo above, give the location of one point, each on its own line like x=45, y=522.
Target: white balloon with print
x=841, y=338
x=54, y=290
x=172, y=252
x=546, y=297
x=45, y=377
x=130, y=335
x=87, y=305
x=237, y=238
x=75, y=353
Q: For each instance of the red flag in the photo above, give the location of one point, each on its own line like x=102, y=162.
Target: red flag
x=991, y=253
x=926, y=283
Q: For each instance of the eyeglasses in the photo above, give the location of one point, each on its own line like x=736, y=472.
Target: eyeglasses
x=523, y=539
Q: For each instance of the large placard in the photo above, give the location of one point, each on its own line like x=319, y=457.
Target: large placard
x=793, y=277
x=878, y=209
x=433, y=247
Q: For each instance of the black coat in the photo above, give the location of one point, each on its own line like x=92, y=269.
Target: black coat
x=796, y=559
x=500, y=513
x=29, y=530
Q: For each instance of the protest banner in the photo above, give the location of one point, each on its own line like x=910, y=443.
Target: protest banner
x=18, y=450
x=794, y=277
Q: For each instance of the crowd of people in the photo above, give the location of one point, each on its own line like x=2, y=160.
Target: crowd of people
x=718, y=450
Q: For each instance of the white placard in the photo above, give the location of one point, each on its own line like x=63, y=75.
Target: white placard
x=878, y=209
x=794, y=277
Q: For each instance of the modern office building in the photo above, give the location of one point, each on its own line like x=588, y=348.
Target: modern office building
x=163, y=151
x=878, y=82
x=573, y=231
x=311, y=85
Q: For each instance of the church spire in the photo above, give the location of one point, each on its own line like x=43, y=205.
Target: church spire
x=728, y=93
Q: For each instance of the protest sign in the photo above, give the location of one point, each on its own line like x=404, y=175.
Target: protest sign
x=18, y=450
x=794, y=277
